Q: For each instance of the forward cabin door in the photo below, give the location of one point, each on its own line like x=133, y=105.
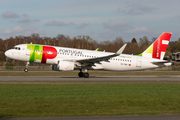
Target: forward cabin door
x=139, y=62
x=28, y=52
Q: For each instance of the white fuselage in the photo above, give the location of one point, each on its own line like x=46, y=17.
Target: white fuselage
x=123, y=62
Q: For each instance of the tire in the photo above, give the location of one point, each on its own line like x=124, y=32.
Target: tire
x=86, y=75
x=81, y=74
x=25, y=70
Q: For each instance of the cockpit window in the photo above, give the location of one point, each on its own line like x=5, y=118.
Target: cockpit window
x=16, y=48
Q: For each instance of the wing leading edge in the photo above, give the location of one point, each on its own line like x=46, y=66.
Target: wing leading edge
x=99, y=59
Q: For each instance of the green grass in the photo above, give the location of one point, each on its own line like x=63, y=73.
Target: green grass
x=56, y=99
x=92, y=73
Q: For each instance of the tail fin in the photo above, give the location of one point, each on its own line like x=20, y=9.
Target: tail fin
x=158, y=48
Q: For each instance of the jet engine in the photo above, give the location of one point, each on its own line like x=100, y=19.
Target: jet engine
x=63, y=66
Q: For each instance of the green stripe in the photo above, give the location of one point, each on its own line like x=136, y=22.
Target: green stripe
x=34, y=52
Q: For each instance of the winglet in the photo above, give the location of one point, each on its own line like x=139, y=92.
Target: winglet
x=97, y=49
x=121, y=49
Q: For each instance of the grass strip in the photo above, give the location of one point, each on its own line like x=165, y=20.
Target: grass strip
x=88, y=99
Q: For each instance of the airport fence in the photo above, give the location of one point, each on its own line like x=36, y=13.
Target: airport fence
x=19, y=68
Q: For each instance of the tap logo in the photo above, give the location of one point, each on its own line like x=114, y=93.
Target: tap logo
x=41, y=53
x=158, y=48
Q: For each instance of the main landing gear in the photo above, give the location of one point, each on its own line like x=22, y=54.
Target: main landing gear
x=85, y=74
x=26, y=69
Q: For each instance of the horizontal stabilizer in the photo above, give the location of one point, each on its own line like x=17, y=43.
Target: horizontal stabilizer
x=165, y=63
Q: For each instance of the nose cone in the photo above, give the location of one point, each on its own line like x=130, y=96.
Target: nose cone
x=7, y=53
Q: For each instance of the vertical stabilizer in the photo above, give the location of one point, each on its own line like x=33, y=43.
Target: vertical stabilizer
x=158, y=48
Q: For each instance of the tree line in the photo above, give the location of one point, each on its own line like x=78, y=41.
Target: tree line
x=84, y=42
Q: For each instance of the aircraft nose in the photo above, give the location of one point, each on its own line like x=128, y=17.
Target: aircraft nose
x=7, y=53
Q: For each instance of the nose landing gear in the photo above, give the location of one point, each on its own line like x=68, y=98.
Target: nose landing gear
x=26, y=69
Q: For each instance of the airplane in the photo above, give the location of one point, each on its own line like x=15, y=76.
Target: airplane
x=69, y=59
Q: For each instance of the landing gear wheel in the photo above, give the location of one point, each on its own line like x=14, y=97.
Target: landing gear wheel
x=86, y=75
x=81, y=74
x=25, y=70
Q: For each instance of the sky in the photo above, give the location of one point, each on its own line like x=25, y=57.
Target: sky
x=102, y=20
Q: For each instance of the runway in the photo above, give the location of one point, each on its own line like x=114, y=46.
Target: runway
x=90, y=79
x=127, y=117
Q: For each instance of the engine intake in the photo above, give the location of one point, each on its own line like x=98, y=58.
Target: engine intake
x=63, y=66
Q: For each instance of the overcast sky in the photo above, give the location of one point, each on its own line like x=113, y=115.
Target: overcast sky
x=100, y=19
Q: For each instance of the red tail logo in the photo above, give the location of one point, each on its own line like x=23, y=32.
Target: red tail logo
x=160, y=45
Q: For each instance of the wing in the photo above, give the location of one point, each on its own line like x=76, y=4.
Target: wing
x=91, y=61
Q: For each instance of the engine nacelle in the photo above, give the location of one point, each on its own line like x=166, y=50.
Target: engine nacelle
x=63, y=66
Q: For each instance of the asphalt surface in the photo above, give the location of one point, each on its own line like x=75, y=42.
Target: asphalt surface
x=133, y=117
x=96, y=79
x=90, y=79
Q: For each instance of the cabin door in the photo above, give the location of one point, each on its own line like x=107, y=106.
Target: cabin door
x=139, y=62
